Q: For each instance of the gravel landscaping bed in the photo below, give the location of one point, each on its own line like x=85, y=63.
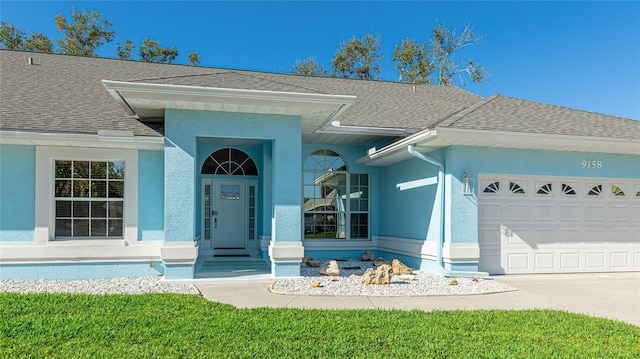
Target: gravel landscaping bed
x=152, y=284
x=348, y=284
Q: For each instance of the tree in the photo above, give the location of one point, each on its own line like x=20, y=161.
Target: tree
x=151, y=51
x=15, y=39
x=124, y=51
x=84, y=34
x=436, y=65
x=444, y=44
x=10, y=37
x=413, y=61
x=309, y=67
x=38, y=42
x=194, y=58
x=359, y=58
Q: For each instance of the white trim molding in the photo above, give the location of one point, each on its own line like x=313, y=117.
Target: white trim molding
x=286, y=252
x=149, y=101
x=503, y=139
x=104, y=139
x=452, y=252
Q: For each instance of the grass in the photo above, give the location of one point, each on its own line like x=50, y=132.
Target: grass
x=182, y=326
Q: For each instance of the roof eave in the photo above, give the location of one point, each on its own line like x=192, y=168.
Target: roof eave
x=140, y=99
x=542, y=141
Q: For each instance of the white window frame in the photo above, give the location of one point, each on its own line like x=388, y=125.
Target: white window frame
x=45, y=186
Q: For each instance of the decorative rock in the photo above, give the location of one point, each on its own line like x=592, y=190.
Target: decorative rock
x=306, y=260
x=380, y=261
x=407, y=277
x=313, y=263
x=453, y=282
x=382, y=275
x=367, y=256
x=315, y=285
x=400, y=268
x=330, y=268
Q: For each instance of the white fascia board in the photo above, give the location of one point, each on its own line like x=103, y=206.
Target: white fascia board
x=397, y=151
x=466, y=137
x=336, y=127
x=124, y=92
x=107, y=140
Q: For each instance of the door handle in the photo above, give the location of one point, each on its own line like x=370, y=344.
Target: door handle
x=215, y=222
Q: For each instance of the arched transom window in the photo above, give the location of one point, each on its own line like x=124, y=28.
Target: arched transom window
x=230, y=162
x=336, y=202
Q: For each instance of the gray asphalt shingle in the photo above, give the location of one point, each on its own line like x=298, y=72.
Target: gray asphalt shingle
x=503, y=113
x=61, y=93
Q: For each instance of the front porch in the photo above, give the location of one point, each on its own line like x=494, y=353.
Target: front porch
x=212, y=270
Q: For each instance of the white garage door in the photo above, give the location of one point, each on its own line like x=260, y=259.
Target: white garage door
x=535, y=225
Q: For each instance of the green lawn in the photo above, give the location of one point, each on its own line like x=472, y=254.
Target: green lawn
x=167, y=325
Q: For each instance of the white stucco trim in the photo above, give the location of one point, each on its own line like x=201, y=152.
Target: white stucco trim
x=107, y=139
x=541, y=141
x=286, y=251
x=46, y=247
x=138, y=98
x=452, y=252
x=342, y=245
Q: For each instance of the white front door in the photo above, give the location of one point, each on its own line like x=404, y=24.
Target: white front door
x=229, y=215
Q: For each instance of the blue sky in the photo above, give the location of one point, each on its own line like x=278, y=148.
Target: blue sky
x=583, y=55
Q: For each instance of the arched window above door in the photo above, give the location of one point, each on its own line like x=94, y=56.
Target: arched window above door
x=229, y=162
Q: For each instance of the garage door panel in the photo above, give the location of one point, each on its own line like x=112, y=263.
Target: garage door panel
x=545, y=212
x=619, y=260
x=517, y=262
x=516, y=213
x=569, y=237
x=567, y=226
x=594, y=261
x=570, y=213
x=544, y=262
x=569, y=261
x=490, y=212
x=595, y=213
x=595, y=237
x=491, y=236
x=618, y=214
x=516, y=237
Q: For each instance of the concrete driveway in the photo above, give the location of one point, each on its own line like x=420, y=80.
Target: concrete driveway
x=607, y=295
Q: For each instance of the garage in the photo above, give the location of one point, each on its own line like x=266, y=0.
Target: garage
x=558, y=225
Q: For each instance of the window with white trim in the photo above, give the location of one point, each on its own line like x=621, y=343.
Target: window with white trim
x=89, y=199
x=336, y=202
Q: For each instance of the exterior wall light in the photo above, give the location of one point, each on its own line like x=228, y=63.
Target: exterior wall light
x=467, y=184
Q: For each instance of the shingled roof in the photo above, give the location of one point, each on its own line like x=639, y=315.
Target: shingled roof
x=61, y=93
x=502, y=113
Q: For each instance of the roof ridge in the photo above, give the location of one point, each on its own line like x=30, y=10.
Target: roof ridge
x=181, y=76
x=449, y=121
x=255, y=74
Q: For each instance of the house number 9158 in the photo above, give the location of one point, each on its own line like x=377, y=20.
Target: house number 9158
x=591, y=164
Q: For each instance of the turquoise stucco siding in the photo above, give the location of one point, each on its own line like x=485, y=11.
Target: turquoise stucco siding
x=17, y=193
x=414, y=213
x=411, y=213
x=183, y=159
x=150, y=195
x=462, y=221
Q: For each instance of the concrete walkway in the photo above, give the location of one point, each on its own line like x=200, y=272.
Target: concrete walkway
x=607, y=295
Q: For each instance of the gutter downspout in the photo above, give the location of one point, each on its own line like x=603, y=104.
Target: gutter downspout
x=439, y=258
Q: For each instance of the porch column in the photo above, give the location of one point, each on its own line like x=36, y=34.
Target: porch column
x=179, y=252
x=285, y=248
